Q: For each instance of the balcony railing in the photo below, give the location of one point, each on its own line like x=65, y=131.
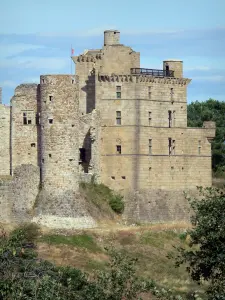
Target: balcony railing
x=152, y=72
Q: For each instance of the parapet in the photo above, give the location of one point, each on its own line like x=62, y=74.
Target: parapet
x=209, y=124
x=66, y=79
x=174, y=65
x=111, y=37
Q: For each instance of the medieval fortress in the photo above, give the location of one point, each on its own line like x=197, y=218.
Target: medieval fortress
x=122, y=124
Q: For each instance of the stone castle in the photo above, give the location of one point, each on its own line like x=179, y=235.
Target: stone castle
x=122, y=124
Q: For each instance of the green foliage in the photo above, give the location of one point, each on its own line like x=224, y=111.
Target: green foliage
x=25, y=277
x=81, y=240
x=101, y=195
x=211, y=110
x=205, y=256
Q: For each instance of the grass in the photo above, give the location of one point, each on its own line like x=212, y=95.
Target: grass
x=147, y=243
x=81, y=241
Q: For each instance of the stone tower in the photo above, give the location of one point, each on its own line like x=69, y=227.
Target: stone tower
x=59, y=133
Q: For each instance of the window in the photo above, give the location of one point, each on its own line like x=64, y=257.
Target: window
x=149, y=92
x=150, y=146
x=50, y=121
x=118, y=92
x=113, y=177
x=27, y=118
x=118, y=149
x=82, y=154
x=50, y=98
x=123, y=177
x=118, y=117
x=50, y=155
x=33, y=145
x=173, y=147
x=170, y=118
x=171, y=95
x=199, y=147
x=170, y=146
x=149, y=118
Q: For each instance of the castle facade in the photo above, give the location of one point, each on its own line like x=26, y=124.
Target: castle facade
x=122, y=124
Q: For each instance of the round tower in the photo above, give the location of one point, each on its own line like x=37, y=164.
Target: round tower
x=111, y=37
x=59, y=133
x=173, y=65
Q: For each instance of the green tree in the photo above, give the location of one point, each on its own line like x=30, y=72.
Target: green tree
x=205, y=256
x=211, y=110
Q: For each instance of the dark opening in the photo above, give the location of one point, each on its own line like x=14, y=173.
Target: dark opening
x=113, y=177
x=123, y=177
x=33, y=144
x=167, y=70
x=170, y=146
x=118, y=149
x=49, y=155
x=43, y=160
x=50, y=98
x=72, y=81
x=24, y=119
x=29, y=122
x=82, y=155
x=50, y=121
x=170, y=118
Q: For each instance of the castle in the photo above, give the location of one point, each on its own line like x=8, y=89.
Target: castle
x=123, y=124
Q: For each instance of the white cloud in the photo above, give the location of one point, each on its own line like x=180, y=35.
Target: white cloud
x=14, y=49
x=198, y=68
x=213, y=78
x=36, y=63
x=8, y=84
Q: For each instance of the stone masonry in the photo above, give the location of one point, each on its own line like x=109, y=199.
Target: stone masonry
x=123, y=125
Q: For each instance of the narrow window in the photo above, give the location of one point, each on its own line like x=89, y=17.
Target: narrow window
x=24, y=118
x=171, y=95
x=118, y=92
x=50, y=98
x=113, y=177
x=82, y=155
x=170, y=118
x=167, y=70
x=50, y=155
x=43, y=81
x=123, y=177
x=173, y=147
x=72, y=81
x=118, y=117
x=170, y=146
x=118, y=149
x=174, y=118
x=33, y=145
x=150, y=146
x=43, y=160
x=149, y=92
x=199, y=147
x=50, y=121
x=149, y=118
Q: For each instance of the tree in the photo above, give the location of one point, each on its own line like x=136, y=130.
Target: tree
x=211, y=110
x=205, y=256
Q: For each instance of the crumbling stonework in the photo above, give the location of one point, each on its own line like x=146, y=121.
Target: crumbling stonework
x=111, y=121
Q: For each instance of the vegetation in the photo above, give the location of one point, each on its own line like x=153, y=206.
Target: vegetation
x=211, y=110
x=205, y=256
x=25, y=276
x=103, y=197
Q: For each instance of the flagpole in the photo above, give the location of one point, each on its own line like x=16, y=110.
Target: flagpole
x=71, y=59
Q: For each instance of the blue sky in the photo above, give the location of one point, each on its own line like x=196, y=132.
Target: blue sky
x=36, y=37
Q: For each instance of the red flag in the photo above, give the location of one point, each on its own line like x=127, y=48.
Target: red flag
x=72, y=51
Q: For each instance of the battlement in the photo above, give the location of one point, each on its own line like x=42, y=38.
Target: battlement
x=23, y=89
x=142, y=78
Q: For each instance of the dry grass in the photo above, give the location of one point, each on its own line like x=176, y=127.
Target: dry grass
x=150, y=244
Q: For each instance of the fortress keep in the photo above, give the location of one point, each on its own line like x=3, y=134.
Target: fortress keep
x=123, y=124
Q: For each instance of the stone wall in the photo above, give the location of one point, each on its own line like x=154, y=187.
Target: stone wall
x=157, y=206
x=24, y=129
x=4, y=140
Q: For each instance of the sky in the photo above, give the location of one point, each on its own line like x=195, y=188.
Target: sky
x=36, y=38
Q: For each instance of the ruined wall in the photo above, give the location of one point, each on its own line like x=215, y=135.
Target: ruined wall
x=89, y=139
x=59, y=132
x=4, y=140
x=24, y=129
